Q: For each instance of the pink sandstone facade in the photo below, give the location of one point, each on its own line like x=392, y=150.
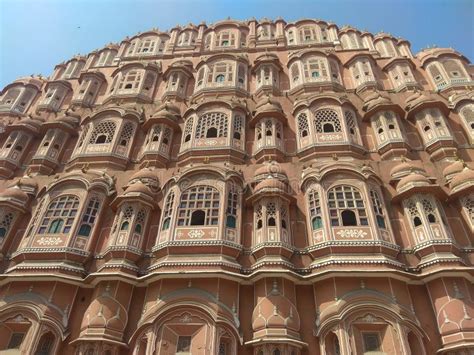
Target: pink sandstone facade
x=250, y=188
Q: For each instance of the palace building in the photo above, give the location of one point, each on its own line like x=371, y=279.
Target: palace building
x=240, y=188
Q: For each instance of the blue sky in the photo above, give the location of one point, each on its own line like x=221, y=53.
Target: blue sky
x=35, y=35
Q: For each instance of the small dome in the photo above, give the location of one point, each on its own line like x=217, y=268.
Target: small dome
x=145, y=173
x=69, y=120
x=138, y=188
x=267, y=107
x=466, y=176
x=453, y=169
x=167, y=110
x=413, y=179
x=147, y=177
x=105, y=312
x=275, y=311
x=269, y=170
x=270, y=184
x=405, y=168
x=15, y=193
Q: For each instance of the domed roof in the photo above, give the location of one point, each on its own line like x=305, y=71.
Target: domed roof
x=138, y=187
x=377, y=101
x=33, y=125
x=413, y=179
x=166, y=113
x=147, y=177
x=267, y=107
x=269, y=170
x=275, y=311
x=105, y=312
x=167, y=110
x=270, y=184
x=453, y=169
x=145, y=173
x=464, y=177
x=406, y=167
x=14, y=193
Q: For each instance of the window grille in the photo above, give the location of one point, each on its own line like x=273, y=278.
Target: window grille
x=467, y=113
x=60, y=215
x=232, y=200
x=378, y=210
x=199, y=205
x=6, y=220
x=89, y=217
x=103, y=132
x=188, y=129
x=453, y=68
x=314, y=205
x=167, y=211
x=303, y=126
x=327, y=120
x=315, y=68
x=237, y=127
x=467, y=203
x=346, y=207
x=213, y=124
x=351, y=124
x=126, y=134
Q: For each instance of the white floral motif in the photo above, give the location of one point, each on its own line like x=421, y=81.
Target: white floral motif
x=49, y=241
x=196, y=233
x=352, y=233
x=186, y=318
x=330, y=137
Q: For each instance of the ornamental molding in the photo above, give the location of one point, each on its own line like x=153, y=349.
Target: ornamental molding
x=352, y=233
x=49, y=241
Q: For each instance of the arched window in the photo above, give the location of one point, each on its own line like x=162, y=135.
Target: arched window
x=437, y=75
x=225, y=39
x=167, y=211
x=327, y=120
x=467, y=114
x=241, y=72
x=89, y=217
x=314, y=205
x=378, y=210
x=432, y=125
x=276, y=352
x=131, y=80
x=6, y=221
x=271, y=214
x=125, y=225
x=453, y=68
x=303, y=126
x=295, y=72
x=231, y=212
x=316, y=69
x=212, y=124
x=45, y=345
x=103, y=132
x=429, y=210
x=188, y=129
x=346, y=207
x=386, y=127
x=126, y=134
x=60, y=215
x=351, y=126
x=307, y=34
x=237, y=127
x=467, y=203
x=204, y=200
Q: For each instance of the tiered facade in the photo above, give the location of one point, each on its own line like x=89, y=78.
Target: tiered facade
x=250, y=188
